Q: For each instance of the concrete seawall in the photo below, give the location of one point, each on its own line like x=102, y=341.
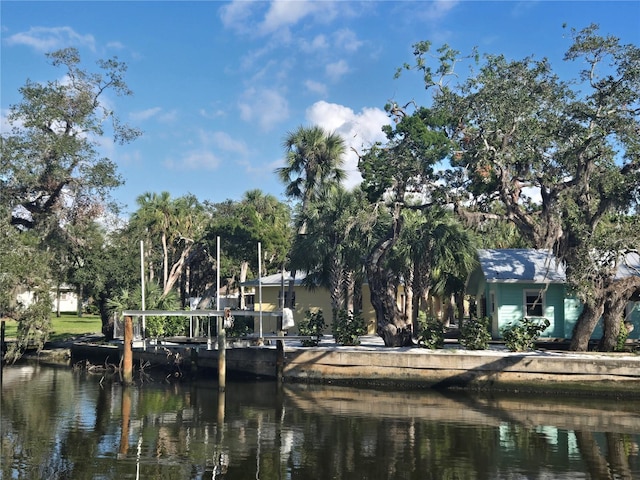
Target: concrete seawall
x=375, y=365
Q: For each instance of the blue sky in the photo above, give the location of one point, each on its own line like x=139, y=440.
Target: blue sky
x=217, y=85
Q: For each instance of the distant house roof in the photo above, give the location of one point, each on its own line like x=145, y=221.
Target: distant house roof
x=276, y=280
x=630, y=266
x=520, y=265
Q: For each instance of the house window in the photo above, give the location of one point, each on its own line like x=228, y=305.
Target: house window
x=534, y=303
x=288, y=303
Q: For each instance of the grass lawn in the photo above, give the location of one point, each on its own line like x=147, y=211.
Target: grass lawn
x=67, y=325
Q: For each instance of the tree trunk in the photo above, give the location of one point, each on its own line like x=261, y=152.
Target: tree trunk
x=244, y=268
x=176, y=270
x=165, y=266
x=337, y=291
x=408, y=299
x=350, y=291
x=357, y=294
x=105, y=316
x=591, y=313
x=619, y=293
x=391, y=324
x=460, y=304
x=58, y=301
x=79, y=301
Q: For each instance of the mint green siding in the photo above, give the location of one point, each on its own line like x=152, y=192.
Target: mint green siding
x=510, y=306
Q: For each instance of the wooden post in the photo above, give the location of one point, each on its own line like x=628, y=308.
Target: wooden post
x=222, y=352
x=126, y=416
x=2, y=348
x=128, y=351
x=280, y=343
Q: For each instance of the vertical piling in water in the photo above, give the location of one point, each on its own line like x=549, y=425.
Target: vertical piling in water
x=2, y=348
x=127, y=358
x=280, y=343
x=222, y=353
x=126, y=415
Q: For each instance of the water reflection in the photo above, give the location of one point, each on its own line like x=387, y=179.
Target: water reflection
x=61, y=424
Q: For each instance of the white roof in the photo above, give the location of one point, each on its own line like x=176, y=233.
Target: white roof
x=276, y=279
x=630, y=266
x=521, y=265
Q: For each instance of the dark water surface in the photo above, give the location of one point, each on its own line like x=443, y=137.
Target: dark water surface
x=63, y=424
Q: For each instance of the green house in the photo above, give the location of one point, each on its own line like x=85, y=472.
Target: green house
x=511, y=284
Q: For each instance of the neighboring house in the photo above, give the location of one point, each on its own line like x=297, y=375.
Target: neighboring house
x=303, y=298
x=511, y=284
x=65, y=297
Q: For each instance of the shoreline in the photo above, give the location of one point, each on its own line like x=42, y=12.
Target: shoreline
x=371, y=364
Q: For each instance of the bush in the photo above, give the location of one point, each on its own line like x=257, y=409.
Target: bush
x=348, y=328
x=158, y=327
x=241, y=327
x=475, y=334
x=622, y=338
x=521, y=336
x=431, y=333
x=312, y=325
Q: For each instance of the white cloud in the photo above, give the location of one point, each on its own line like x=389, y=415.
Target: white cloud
x=347, y=40
x=265, y=106
x=284, y=13
x=237, y=15
x=195, y=160
x=359, y=130
x=47, y=39
x=336, y=70
x=316, y=87
x=115, y=45
x=438, y=9
x=242, y=16
x=155, y=112
x=318, y=43
x=145, y=114
x=224, y=141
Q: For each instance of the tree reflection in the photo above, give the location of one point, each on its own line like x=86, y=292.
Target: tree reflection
x=61, y=424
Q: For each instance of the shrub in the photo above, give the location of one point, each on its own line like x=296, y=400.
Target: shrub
x=475, y=334
x=348, y=328
x=431, y=334
x=521, y=336
x=622, y=338
x=240, y=327
x=312, y=325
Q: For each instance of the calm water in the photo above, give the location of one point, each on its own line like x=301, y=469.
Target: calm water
x=61, y=424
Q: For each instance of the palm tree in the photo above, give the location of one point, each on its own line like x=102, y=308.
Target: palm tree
x=314, y=161
x=434, y=255
x=155, y=215
x=330, y=254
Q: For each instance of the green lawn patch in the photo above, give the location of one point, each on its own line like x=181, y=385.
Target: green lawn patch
x=64, y=327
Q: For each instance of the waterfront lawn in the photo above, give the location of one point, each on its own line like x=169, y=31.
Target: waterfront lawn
x=64, y=327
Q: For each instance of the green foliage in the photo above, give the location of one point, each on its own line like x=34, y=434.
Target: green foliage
x=622, y=337
x=312, y=325
x=580, y=152
x=156, y=326
x=475, y=334
x=431, y=333
x=521, y=336
x=241, y=327
x=348, y=328
x=34, y=326
x=55, y=183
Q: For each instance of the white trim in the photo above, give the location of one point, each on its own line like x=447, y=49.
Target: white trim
x=540, y=294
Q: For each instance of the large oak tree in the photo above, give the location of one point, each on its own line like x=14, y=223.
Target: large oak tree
x=561, y=159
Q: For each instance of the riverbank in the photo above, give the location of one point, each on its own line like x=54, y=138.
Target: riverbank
x=373, y=364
